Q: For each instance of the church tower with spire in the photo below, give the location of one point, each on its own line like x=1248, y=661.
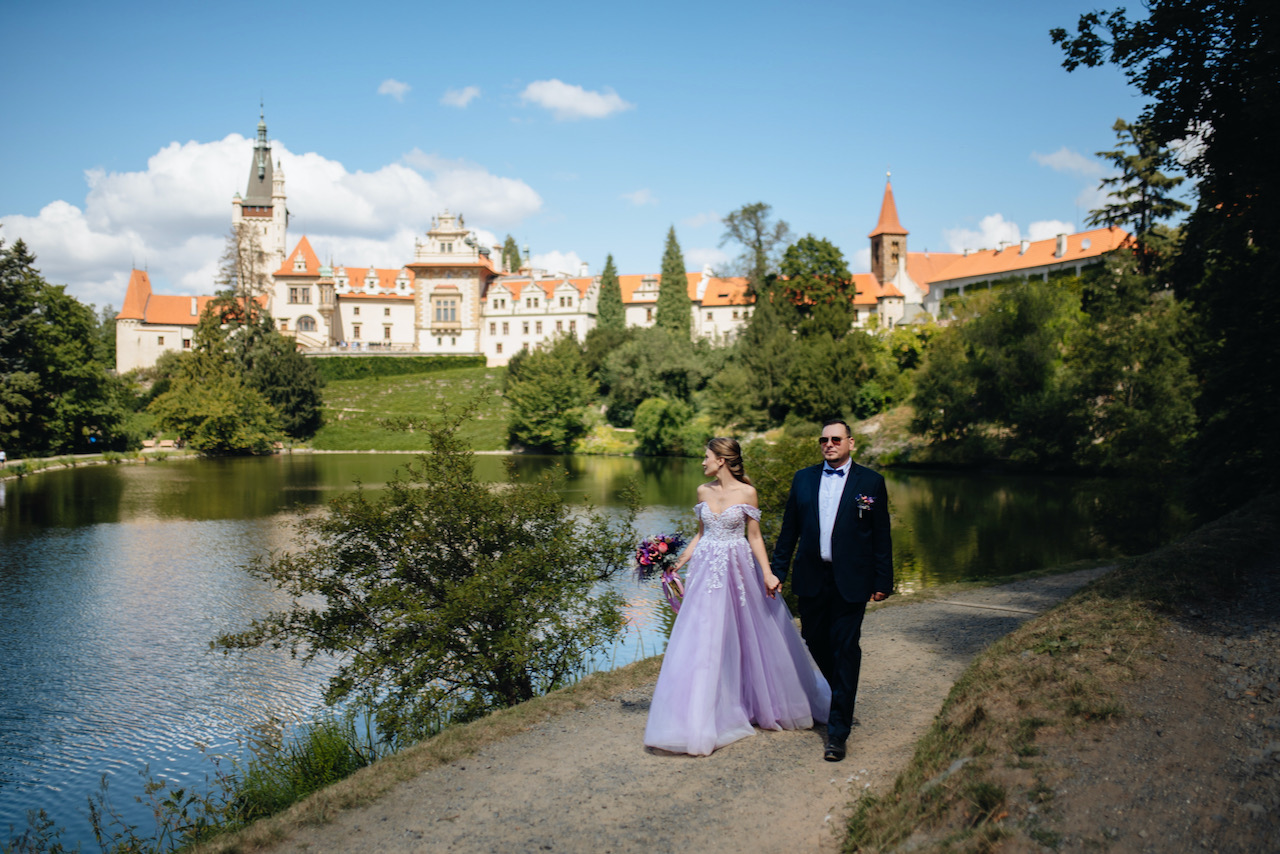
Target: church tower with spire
x=262, y=208
x=888, y=239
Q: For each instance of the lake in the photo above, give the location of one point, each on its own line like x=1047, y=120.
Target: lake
x=114, y=579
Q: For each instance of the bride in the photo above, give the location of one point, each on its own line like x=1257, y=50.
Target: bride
x=735, y=657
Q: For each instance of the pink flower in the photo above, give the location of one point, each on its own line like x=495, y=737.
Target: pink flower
x=662, y=547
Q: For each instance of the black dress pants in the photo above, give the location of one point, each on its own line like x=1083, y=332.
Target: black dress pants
x=832, y=629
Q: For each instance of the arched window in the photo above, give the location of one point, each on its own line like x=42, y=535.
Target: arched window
x=306, y=324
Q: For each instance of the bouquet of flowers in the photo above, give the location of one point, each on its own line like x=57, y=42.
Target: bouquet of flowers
x=656, y=556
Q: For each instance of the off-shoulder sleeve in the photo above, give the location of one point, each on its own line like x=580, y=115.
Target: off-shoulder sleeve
x=753, y=512
x=697, y=509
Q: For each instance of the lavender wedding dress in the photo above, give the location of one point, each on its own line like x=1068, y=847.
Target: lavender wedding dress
x=735, y=657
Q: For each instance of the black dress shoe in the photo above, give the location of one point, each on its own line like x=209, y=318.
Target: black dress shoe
x=834, y=750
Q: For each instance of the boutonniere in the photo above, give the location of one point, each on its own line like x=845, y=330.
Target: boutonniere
x=864, y=502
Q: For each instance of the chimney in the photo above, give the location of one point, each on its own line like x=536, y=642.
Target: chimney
x=1061, y=248
x=584, y=270
x=1024, y=245
x=195, y=312
x=966, y=252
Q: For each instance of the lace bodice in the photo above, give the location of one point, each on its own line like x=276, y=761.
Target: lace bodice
x=721, y=533
x=729, y=524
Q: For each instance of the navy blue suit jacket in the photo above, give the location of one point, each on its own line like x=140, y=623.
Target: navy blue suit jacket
x=861, y=548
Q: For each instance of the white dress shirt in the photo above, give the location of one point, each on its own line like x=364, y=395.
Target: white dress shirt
x=829, y=492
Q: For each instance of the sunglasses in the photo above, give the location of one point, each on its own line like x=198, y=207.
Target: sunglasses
x=835, y=440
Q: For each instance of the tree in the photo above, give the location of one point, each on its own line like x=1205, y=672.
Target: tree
x=510, y=255
x=242, y=270
x=549, y=395
x=761, y=240
x=612, y=314
x=443, y=597
x=1142, y=191
x=660, y=426
x=211, y=408
x=1132, y=373
x=674, y=309
x=814, y=278
x=656, y=362
x=55, y=394
x=289, y=382
x=1212, y=73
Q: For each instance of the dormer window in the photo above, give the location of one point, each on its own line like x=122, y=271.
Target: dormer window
x=446, y=248
x=300, y=264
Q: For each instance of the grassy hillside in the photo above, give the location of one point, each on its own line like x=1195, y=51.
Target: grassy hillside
x=356, y=411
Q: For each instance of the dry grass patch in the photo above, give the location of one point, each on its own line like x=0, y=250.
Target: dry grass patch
x=977, y=781
x=454, y=743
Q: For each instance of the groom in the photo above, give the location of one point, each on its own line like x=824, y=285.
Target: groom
x=837, y=524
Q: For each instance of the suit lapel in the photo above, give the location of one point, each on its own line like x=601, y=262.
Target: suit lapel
x=850, y=490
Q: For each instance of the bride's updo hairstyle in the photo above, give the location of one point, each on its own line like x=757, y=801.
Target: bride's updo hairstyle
x=729, y=451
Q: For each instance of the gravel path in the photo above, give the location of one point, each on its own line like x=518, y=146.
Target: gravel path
x=583, y=782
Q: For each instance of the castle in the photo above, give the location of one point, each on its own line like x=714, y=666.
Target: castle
x=454, y=298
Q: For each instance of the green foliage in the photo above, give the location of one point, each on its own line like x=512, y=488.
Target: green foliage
x=290, y=384
x=660, y=426
x=444, y=597
x=1132, y=365
x=814, y=277
x=56, y=396
x=1210, y=72
x=1105, y=386
x=612, y=315
x=283, y=772
x=1142, y=192
x=510, y=254
x=599, y=345
x=212, y=409
x=761, y=240
x=674, y=309
x=656, y=363
x=549, y=392
x=333, y=368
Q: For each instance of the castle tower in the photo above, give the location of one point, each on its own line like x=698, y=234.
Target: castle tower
x=888, y=239
x=263, y=205
x=452, y=272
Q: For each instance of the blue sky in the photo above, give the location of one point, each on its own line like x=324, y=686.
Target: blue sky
x=581, y=129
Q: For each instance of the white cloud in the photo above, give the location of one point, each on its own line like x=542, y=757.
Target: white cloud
x=701, y=219
x=640, y=198
x=558, y=263
x=460, y=97
x=1047, y=228
x=698, y=258
x=173, y=217
x=394, y=88
x=991, y=231
x=1066, y=160
x=567, y=102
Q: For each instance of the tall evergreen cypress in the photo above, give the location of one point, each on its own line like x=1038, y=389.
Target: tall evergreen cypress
x=674, y=309
x=611, y=314
x=510, y=254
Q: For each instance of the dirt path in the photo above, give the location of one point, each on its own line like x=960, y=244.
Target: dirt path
x=583, y=782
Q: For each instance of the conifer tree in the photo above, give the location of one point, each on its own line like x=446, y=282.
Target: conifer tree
x=510, y=254
x=611, y=315
x=674, y=308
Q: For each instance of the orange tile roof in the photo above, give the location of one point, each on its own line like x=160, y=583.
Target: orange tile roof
x=1039, y=253
x=304, y=249
x=925, y=267
x=888, y=223
x=867, y=289
x=386, y=277
x=515, y=286
x=726, y=291
x=135, y=298
x=141, y=304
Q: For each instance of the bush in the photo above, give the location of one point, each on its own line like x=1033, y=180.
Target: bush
x=366, y=367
